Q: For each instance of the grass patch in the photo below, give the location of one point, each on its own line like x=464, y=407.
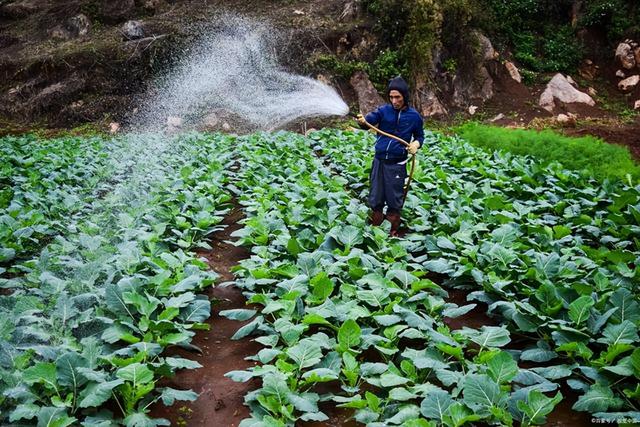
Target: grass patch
x=588, y=154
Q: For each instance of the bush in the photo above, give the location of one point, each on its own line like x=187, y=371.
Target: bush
x=591, y=155
x=619, y=18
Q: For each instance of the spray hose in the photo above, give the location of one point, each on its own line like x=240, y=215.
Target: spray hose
x=402, y=141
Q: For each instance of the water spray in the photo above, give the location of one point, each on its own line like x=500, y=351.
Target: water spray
x=233, y=72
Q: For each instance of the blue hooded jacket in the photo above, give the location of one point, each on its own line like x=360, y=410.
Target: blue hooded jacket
x=406, y=124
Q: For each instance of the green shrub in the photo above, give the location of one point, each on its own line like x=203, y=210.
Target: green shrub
x=386, y=66
x=619, y=18
x=591, y=155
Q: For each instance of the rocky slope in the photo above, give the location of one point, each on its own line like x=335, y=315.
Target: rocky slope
x=63, y=63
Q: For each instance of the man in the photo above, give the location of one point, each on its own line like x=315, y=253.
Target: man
x=389, y=170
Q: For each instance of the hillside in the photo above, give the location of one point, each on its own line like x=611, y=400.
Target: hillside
x=67, y=63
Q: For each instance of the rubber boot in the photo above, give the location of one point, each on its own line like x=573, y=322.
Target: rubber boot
x=394, y=219
x=376, y=218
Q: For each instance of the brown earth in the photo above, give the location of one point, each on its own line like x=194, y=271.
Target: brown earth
x=221, y=400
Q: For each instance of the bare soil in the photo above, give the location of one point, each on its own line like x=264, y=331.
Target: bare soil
x=221, y=400
x=627, y=135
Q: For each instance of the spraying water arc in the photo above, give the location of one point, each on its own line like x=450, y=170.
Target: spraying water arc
x=233, y=70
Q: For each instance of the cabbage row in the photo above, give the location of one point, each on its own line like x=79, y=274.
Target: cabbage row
x=349, y=318
x=106, y=282
x=555, y=256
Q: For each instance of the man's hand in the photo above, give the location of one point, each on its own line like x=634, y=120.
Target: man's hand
x=413, y=147
x=360, y=119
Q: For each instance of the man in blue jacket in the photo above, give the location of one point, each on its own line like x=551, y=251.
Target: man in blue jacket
x=389, y=168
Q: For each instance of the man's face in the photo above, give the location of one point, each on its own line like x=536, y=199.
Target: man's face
x=396, y=98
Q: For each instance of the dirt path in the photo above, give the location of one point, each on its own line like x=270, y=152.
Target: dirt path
x=221, y=400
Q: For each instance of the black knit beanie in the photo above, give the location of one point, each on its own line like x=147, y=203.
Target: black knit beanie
x=398, y=83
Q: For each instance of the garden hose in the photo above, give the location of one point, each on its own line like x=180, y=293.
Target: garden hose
x=402, y=141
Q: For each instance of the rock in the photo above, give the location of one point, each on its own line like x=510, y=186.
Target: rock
x=559, y=88
x=430, y=105
x=488, y=53
x=132, y=30
x=620, y=74
x=298, y=12
x=513, y=71
x=174, y=123
x=324, y=79
x=636, y=106
x=592, y=92
x=79, y=25
x=478, y=87
x=626, y=56
x=210, y=121
x=588, y=70
x=629, y=83
x=566, y=119
x=226, y=127
x=496, y=118
x=472, y=109
x=59, y=32
x=76, y=26
x=117, y=10
x=571, y=81
x=20, y=9
x=368, y=97
x=114, y=127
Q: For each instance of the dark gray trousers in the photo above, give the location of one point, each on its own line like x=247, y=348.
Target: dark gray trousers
x=387, y=185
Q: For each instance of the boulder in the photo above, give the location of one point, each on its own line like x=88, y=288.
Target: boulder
x=430, y=105
x=488, y=53
x=79, y=25
x=559, y=88
x=566, y=119
x=513, y=71
x=629, y=83
x=478, y=87
x=132, y=30
x=368, y=97
x=117, y=10
x=626, y=56
x=588, y=70
x=76, y=26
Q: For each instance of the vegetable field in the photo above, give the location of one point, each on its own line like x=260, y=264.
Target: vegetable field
x=100, y=277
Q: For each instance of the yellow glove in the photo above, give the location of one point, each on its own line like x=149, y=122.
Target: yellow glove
x=413, y=147
x=360, y=119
